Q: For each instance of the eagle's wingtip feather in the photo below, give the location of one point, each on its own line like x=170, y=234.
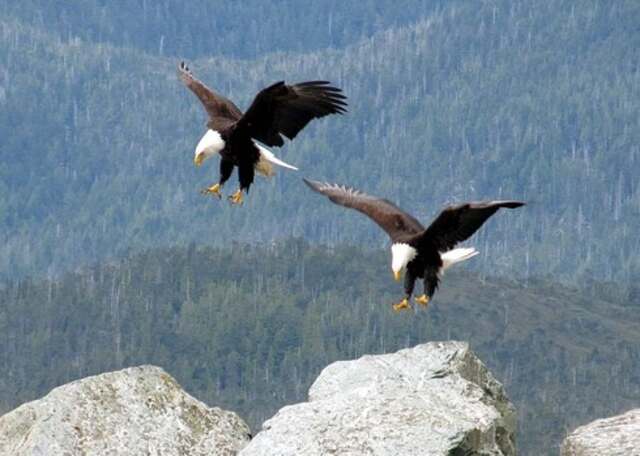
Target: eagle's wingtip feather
x=314, y=185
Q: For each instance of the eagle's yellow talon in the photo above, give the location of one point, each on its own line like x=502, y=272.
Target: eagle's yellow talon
x=423, y=300
x=236, y=198
x=213, y=190
x=402, y=305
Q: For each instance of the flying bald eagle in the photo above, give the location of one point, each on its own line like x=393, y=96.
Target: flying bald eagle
x=422, y=252
x=279, y=109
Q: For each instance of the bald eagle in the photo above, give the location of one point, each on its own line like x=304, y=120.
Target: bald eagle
x=422, y=252
x=277, y=110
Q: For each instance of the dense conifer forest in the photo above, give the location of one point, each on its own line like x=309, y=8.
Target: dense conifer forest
x=536, y=100
x=204, y=28
x=249, y=328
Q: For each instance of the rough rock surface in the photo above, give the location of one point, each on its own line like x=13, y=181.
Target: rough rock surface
x=433, y=399
x=135, y=411
x=618, y=435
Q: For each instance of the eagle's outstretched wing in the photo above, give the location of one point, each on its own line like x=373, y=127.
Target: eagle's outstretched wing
x=458, y=222
x=387, y=215
x=282, y=109
x=219, y=108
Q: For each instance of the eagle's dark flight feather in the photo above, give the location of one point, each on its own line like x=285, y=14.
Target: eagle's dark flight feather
x=219, y=108
x=282, y=109
x=457, y=223
x=387, y=215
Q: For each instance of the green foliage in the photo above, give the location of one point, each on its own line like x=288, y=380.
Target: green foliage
x=249, y=328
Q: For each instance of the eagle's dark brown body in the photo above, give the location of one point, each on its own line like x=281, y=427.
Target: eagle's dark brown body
x=240, y=151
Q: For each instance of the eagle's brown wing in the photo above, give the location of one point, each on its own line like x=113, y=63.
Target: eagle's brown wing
x=458, y=222
x=220, y=109
x=387, y=215
x=282, y=109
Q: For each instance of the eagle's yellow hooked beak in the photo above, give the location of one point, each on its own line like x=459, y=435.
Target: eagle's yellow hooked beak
x=198, y=159
x=396, y=275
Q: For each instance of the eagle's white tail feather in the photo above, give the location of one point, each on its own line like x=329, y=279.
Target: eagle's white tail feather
x=267, y=159
x=456, y=256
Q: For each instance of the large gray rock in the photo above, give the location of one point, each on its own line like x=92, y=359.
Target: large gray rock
x=433, y=399
x=618, y=435
x=135, y=411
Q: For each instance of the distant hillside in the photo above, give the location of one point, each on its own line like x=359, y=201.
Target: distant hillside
x=537, y=100
x=249, y=328
x=245, y=29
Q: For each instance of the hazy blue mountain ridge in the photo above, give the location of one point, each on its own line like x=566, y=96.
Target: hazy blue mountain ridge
x=529, y=100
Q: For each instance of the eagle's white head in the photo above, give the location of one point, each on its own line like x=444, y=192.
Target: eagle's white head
x=401, y=255
x=210, y=144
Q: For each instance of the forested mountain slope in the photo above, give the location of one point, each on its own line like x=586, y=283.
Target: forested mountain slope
x=245, y=29
x=536, y=100
x=249, y=328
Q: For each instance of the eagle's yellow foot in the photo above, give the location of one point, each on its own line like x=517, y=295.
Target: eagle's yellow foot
x=402, y=305
x=423, y=300
x=213, y=190
x=236, y=198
